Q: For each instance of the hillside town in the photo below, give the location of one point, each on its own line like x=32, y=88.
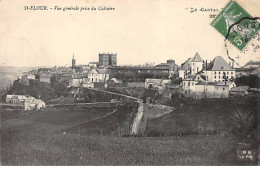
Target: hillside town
x=196, y=78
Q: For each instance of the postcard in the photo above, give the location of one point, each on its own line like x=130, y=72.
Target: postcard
x=129, y=83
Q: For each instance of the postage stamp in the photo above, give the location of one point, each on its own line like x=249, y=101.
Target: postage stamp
x=236, y=24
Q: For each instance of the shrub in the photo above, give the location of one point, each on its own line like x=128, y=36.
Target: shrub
x=243, y=125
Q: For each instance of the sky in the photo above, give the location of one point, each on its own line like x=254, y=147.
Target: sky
x=138, y=31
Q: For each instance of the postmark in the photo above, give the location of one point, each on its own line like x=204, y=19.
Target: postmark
x=236, y=24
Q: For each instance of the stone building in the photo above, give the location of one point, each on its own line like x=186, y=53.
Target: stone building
x=191, y=66
x=219, y=70
x=108, y=59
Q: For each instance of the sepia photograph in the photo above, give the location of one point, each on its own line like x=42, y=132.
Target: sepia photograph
x=129, y=83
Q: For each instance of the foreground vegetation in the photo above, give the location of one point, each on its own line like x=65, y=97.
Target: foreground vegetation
x=199, y=133
x=75, y=149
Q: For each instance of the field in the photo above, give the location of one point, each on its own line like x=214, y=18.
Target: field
x=39, y=138
x=75, y=149
x=201, y=117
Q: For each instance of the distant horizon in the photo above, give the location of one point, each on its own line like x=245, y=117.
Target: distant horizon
x=69, y=65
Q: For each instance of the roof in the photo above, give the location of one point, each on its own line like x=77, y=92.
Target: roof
x=22, y=97
x=196, y=58
x=240, y=88
x=37, y=101
x=218, y=63
x=9, y=96
x=164, y=64
x=94, y=63
x=93, y=71
x=138, y=68
x=252, y=63
x=16, y=97
x=227, y=83
x=102, y=71
x=154, y=80
x=186, y=64
x=29, y=99
x=117, y=80
x=256, y=71
x=193, y=77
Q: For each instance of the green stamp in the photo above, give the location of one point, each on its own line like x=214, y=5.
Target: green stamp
x=236, y=24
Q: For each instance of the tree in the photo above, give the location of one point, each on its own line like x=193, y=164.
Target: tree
x=244, y=125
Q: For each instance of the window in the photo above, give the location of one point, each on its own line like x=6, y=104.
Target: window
x=215, y=72
x=219, y=77
x=193, y=64
x=218, y=72
x=227, y=77
x=231, y=73
x=223, y=88
x=192, y=84
x=227, y=72
x=215, y=77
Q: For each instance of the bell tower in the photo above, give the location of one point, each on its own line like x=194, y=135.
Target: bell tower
x=73, y=62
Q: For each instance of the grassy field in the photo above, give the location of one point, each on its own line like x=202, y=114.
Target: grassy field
x=75, y=149
x=38, y=138
x=201, y=117
x=118, y=123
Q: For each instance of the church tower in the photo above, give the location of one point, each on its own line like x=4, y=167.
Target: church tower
x=73, y=62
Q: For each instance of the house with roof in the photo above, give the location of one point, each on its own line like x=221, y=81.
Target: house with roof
x=219, y=70
x=34, y=104
x=114, y=82
x=98, y=75
x=15, y=99
x=214, y=81
x=191, y=66
x=188, y=84
x=170, y=64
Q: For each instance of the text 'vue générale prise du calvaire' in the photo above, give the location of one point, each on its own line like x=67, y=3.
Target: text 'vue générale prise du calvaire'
x=70, y=8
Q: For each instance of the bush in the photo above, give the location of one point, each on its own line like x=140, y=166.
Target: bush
x=244, y=124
